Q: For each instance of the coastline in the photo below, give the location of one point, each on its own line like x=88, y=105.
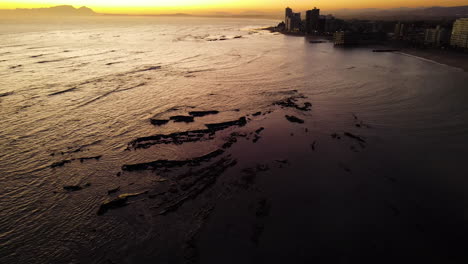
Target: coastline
x=446, y=57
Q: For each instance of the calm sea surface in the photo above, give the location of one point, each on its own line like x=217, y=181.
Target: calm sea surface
x=93, y=86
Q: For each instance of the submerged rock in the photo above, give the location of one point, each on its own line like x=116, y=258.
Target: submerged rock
x=111, y=191
x=196, y=182
x=219, y=126
x=89, y=158
x=72, y=188
x=157, y=164
x=203, y=113
x=335, y=136
x=59, y=163
x=180, y=118
x=118, y=202
x=291, y=103
x=158, y=122
x=186, y=136
x=358, y=138
x=294, y=119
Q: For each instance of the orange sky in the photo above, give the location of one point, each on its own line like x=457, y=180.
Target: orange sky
x=196, y=6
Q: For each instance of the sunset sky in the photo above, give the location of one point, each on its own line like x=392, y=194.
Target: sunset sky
x=158, y=6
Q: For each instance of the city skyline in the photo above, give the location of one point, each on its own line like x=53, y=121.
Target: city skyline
x=235, y=6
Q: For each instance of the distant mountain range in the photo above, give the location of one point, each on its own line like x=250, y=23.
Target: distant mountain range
x=402, y=13
x=62, y=10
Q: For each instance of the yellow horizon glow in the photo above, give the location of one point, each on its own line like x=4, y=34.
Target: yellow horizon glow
x=197, y=6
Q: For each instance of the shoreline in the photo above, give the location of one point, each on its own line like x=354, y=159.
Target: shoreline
x=446, y=57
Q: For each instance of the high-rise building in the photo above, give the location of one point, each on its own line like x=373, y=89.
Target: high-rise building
x=436, y=36
x=399, y=31
x=288, y=13
x=312, y=20
x=292, y=20
x=460, y=33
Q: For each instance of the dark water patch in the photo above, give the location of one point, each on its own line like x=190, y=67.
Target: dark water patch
x=186, y=136
x=159, y=164
x=63, y=91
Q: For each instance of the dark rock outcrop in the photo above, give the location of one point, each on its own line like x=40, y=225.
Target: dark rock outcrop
x=59, y=163
x=72, y=188
x=158, y=122
x=186, y=136
x=180, y=118
x=203, y=113
x=294, y=119
x=291, y=103
x=118, y=202
x=157, y=164
x=358, y=138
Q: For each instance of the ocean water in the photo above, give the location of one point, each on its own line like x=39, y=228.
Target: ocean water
x=72, y=89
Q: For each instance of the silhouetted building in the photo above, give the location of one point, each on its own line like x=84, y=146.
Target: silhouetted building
x=312, y=20
x=288, y=12
x=437, y=37
x=344, y=38
x=460, y=33
x=292, y=21
x=331, y=24
x=399, y=31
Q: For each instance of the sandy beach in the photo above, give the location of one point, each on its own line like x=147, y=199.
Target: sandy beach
x=452, y=58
